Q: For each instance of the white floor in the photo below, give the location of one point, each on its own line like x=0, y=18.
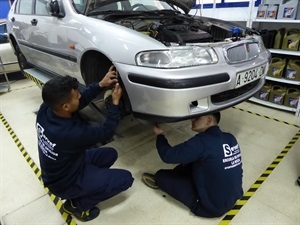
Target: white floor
x=23, y=200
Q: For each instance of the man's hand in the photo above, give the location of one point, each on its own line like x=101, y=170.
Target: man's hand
x=110, y=78
x=157, y=130
x=116, y=94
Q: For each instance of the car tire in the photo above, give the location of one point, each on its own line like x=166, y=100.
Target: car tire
x=94, y=69
x=23, y=64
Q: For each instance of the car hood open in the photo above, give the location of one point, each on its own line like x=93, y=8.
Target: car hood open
x=185, y=5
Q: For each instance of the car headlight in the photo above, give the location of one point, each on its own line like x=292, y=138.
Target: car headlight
x=177, y=57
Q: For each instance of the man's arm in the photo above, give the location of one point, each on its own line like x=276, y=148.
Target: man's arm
x=185, y=152
x=92, y=91
x=113, y=117
x=89, y=135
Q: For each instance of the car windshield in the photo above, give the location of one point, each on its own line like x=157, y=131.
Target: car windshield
x=93, y=7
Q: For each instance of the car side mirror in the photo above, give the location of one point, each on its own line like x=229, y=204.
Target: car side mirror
x=56, y=9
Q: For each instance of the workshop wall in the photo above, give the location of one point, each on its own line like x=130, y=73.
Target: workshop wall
x=4, y=8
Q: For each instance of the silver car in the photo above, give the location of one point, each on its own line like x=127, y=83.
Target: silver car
x=8, y=60
x=172, y=65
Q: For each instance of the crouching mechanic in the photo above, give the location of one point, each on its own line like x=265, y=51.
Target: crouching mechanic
x=71, y=169
x=208, y=179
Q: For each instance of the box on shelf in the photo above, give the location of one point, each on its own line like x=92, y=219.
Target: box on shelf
x=264, y=92
x=277, y=94
x=276, y=67
x=292, y=97
x=291, y=40
x=292, y=71
x=288, y=9
x=262, y=11
x=272, y=12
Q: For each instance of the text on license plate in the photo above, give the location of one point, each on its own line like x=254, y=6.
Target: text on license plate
x=248, y=76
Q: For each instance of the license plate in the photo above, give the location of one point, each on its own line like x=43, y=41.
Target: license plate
x=249, y=76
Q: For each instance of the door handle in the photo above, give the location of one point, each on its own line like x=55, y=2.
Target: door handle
x=13, y=19
x=34, y=22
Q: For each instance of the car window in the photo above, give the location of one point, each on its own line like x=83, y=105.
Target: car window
x=98, y=6
x=3, y=34
x=41, y=7
x=25, y=6
x=148, y=5
x=79, y=5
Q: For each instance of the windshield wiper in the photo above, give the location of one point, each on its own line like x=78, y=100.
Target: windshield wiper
x=99, y=12
x=166, y=11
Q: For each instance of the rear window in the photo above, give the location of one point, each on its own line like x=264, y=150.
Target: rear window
x=24, y=6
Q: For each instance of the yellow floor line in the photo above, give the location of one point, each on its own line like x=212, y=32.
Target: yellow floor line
x=230, y=215
x=267, y=117
x=58, y=203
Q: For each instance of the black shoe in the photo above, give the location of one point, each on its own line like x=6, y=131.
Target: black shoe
x=87, y=215
x=69, y=207
x=149, y=180
x=298, y=181
x=84, y=216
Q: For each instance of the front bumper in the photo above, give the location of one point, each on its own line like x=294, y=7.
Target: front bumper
x=169, y=95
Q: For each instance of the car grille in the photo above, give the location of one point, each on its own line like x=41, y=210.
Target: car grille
x=227, y=95
x=241, y=52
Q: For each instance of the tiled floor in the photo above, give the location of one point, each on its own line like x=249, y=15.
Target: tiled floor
x=24, y=201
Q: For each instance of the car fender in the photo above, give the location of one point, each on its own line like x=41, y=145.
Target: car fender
x=119, y=44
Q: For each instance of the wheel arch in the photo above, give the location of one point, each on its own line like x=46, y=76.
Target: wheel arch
x=101, y=65
x=89, y=58
x=13, y=42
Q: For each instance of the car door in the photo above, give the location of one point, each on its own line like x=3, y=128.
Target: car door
x=41, y=37
x=21, y=25
x=49, y=39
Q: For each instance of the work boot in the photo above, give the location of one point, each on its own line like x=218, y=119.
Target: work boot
x=83, y=216
x=149, y=180
x=87, y=215
x=69, y=207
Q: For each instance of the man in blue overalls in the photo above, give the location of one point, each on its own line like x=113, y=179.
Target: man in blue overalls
x=208, y=179
x=72, y=168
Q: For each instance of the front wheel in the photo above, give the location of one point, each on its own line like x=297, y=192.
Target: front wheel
x=94, y=69
x=23, y=64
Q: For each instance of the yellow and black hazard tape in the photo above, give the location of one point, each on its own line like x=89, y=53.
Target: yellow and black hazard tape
x=35, y=80
x=240, y=203
x=227, y=218
x=58, y=203
x=267, y=117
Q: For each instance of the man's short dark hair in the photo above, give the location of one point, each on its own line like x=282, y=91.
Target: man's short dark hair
x=57, y=91
x=217, y=116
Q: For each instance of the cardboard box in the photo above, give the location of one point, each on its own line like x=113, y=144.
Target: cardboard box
x=262, y=11
x=288, y=9
x=272, y=12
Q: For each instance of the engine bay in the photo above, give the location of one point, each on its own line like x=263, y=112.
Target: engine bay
x=179, y=29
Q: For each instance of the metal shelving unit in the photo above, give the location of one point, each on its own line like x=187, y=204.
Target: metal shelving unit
x=273, y=105
x=3, y=72
x=275, y=23
x=285, y=52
